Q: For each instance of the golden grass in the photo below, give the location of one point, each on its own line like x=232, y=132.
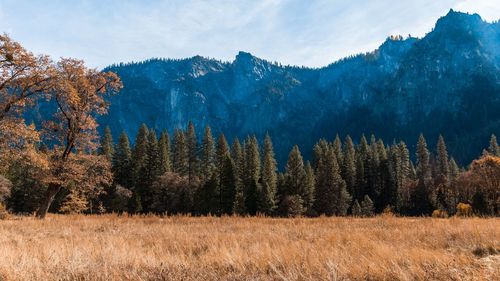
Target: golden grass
x=186, y=248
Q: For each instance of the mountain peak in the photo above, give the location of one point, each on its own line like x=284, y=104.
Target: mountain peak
x=458, y=19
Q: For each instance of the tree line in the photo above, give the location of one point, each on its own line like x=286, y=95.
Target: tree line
x=184, y=174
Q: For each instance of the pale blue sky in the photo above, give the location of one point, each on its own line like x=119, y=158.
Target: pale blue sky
x=299, y=32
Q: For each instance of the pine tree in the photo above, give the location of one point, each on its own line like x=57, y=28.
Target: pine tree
x=149, y=172
x=356, y=209
x=421, y=195
x=337, y=149
x=295, y=174
x=106, y=148
x=269, y=179
x=493, y=149
x=237, y=156
x=422, y=154
x=251, y=174
x=367, y=207
x=122, y=160
x=362, y=166
x=308, y=190
x=192, y=152
x=164, y=153
x=180, y=153
x=228, y=185
x=139, y=154
x=207, y=197
x=454, y=170
x=239, y=201
x=349, y=166
x=207, y=154
x=442, y=160
x=222, y=151
x=153, y=161
x=332, y=197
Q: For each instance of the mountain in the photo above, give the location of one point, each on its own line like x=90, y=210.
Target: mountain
x=447, y=82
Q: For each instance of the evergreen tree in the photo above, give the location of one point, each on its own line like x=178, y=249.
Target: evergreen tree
x=164, y=153
x=332, y=197
x=239, y=161
x=239, y=201
x=349, y=166
x=106, y=148
x=493, y=149
x=222, y=151
x=362, y=167
x=207, y=197
x=207, y=154
x=422, y=154
x=269, y=179
x=251, y=174
x=139, y=154
x=308, y=191
x=180, y=153
x=122, y=162
x=153, y=161
x=337, y=149
x=149, y=172
x=192, y=152
x=454, y=170
x=295, y=174
x=422, y=204
x=442, y=160
x=228, y=186
x=356, y=209
x=367, y=207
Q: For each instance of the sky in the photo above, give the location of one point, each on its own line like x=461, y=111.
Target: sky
x=309, y=33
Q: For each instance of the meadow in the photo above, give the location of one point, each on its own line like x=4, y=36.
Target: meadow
x=111, y=247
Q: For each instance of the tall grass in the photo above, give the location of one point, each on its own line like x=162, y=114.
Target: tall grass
x=110, y=247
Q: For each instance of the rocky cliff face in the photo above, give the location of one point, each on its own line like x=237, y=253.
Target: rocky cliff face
x=447, y=82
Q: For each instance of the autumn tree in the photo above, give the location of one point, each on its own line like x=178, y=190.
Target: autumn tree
x=24, y=78
x=79, y=93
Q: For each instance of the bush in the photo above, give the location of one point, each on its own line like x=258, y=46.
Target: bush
x=439, y=214
x=291, y=206
x=356, y=209
x=464, y=210
x=3, y=212
x=5, y=187
x=367, y=207
x=388, y=211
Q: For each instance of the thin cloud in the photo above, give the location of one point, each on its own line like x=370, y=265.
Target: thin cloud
x=310, y=33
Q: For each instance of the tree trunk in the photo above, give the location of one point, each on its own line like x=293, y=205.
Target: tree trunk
x=52, y=191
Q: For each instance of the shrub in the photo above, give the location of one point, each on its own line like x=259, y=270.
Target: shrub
x=291, y=206
x=5, y=187
x=3, y=212
x=356, y=209
x=367, y=207
x=464, y=210
x=439, y=214
x=388, y=211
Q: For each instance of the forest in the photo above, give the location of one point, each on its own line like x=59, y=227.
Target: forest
x=63, y=165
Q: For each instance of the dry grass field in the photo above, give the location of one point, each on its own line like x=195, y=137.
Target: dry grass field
x=185, y=248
